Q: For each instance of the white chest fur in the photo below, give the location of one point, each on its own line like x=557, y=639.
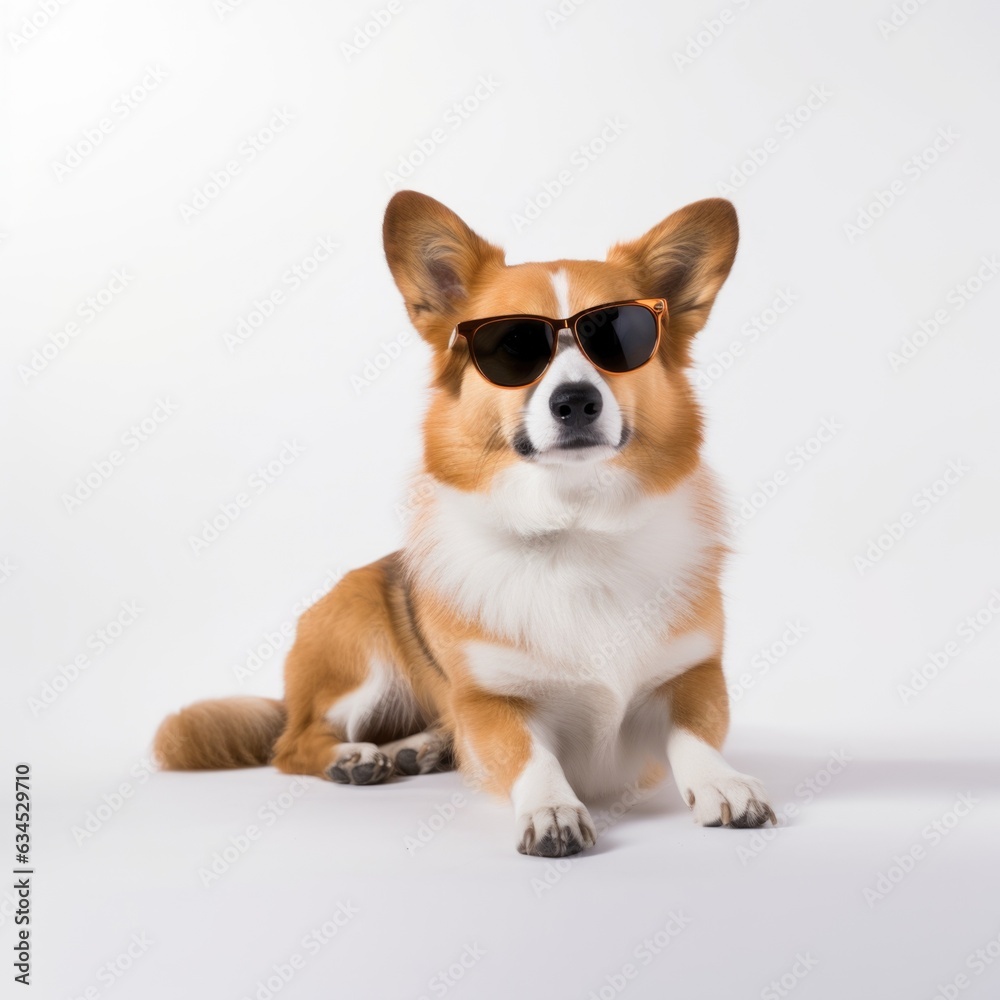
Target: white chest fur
x=571, y=565
x=586, y=583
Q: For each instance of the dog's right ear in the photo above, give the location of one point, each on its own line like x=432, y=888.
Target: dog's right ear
x=435, y=259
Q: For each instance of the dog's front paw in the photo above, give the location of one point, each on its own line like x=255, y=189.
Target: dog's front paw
x=731, y=799
x=359, y=764
x=555, y=831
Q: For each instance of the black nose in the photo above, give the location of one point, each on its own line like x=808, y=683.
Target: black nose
x=576, y=404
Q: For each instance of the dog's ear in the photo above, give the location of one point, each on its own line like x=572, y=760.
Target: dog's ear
x=435, y=259
x=685, y=259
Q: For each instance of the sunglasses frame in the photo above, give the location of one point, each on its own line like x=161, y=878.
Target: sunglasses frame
x=468, y=328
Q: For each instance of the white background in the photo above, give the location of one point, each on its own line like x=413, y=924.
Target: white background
x=683, y=128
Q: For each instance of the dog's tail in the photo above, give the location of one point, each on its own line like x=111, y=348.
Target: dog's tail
x=221, y=733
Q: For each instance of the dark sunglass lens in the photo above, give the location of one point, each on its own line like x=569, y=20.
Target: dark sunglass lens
x=513, y=352
x=619, y=338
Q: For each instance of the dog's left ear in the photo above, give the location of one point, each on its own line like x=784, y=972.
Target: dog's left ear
x=685, y=259
x=435, y=259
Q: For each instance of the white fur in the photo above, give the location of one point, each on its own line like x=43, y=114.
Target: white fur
x=560, y=285
x=707, y=782
x=613, y=674
x=384, y=692
x=546, y=806
x=541, y=783
x=596, y=715
x=589, y=582
x=560, y=561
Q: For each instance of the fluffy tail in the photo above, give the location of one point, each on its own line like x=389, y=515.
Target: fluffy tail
x=221, y=733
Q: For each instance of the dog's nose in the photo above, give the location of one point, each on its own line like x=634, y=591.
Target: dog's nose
x=576, y=404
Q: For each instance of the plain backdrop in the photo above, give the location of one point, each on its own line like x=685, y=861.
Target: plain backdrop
x=194, y=291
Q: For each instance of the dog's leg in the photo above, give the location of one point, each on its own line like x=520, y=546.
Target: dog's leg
x=502, y=751
x=345, y=691
x=717, y=794
x=550, y=820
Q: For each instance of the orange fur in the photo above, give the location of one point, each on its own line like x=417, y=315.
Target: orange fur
x=699, y=702
x=221, y=733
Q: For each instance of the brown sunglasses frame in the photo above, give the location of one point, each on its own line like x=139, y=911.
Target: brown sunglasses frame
x=467, y=329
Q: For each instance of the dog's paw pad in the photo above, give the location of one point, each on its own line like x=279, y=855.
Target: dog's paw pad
x=406, y=761
x=421, y=753
x=555, y=831
x=359, y=764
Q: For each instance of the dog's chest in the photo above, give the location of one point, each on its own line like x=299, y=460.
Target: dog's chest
x=587, y=595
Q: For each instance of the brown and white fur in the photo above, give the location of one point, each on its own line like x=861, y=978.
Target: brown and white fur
x=554, y=621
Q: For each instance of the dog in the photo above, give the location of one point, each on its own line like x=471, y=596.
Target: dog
x=554, y=621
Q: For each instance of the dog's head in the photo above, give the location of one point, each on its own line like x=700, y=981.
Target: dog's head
x=644, y=421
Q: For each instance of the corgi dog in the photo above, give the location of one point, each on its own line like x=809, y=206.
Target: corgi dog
x=553, y=623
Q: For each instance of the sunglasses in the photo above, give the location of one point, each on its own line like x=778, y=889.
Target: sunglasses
x=515, y=351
